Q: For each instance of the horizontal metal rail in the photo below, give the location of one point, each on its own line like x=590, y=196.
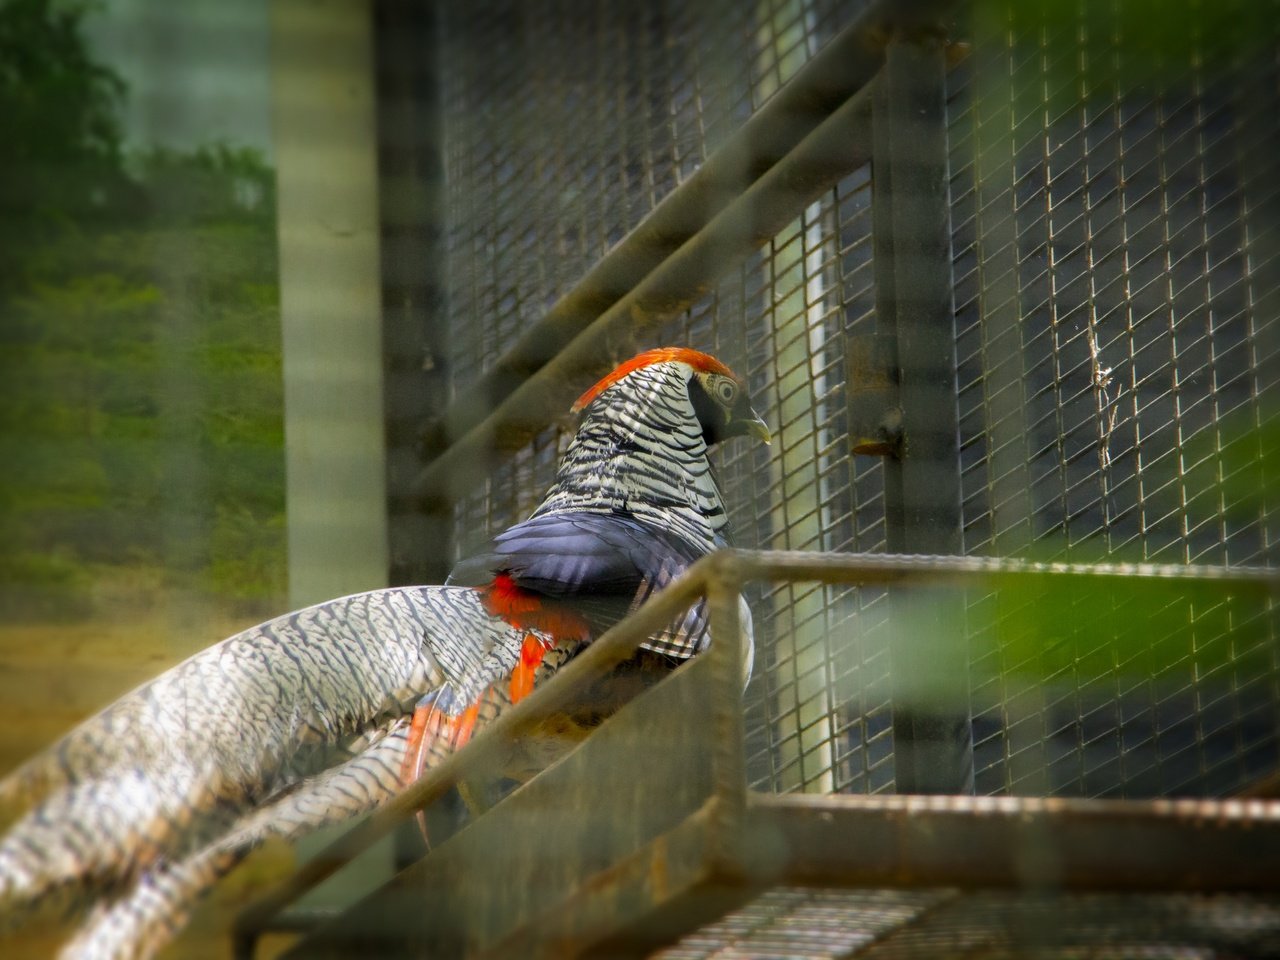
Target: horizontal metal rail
x=724, y=571
x=1016, y=842
x=944, y=843
x=869, y=568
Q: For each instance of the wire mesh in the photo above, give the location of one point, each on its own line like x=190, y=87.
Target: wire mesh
x=821, y=924
x=1108, y=326
x=1110, y=225
x=654, y=125
x=567, y=124
x=820, y=709
x=1113, y=285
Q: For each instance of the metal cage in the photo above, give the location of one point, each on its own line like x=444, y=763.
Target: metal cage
x=1110, y=266
x=1002, y=277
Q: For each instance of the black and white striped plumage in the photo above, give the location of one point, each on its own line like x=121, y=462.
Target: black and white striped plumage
x=303, y=720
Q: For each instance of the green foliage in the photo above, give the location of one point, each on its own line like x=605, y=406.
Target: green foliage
x=1123, y=45
x=212, y=184
x=246, y=553
x=60, y=154
x=140, y=381
x=1090, y=632
x=43, y=586
x=120, y=388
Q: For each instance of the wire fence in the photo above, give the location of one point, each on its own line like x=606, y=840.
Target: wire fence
x=1114, y=253
x=816, y=924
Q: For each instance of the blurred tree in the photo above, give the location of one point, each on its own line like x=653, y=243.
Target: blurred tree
x=60, y=157
x=211, y=184
x=139, y=339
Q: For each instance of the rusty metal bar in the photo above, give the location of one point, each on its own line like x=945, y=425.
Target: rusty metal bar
x=838, y=145
x=913, y=842
x=724, y=588
x=637, y=778
x=1015, y=842
x=834, y=74
x=489, y=748
x=732, y=568
x=673, y=885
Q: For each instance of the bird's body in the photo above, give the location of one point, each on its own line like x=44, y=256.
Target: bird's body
x=310, y=718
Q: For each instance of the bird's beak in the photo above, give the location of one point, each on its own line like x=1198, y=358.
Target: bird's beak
x=757, y=428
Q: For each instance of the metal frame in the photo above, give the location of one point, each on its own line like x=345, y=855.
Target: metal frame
x=413, y=254
x=811, y=133
x=330, y=298
x=933, y=752
x=641, y=880
x=660, y=877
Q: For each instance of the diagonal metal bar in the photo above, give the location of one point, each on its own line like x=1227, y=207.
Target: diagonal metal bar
x=487, y=751
x=834, y=74
x=837, y=146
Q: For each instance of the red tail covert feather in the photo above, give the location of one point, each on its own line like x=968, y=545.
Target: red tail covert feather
x=531, y=655
x=430, y=722
x=696, y=359
x=521, y=608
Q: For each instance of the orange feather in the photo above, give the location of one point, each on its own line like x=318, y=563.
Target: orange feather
x=521, y=608
x=699, y=361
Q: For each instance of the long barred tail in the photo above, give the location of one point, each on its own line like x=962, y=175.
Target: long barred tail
x=170, y=771
x=151, y=913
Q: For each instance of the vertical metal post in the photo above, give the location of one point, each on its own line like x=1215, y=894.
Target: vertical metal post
x=325, y=125
x=330, y=297
x=414, y=339
x=933, y=741
x=724, y=586
x=414, y=347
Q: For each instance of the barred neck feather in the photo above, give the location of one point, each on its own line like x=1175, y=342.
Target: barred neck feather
x=640, y=451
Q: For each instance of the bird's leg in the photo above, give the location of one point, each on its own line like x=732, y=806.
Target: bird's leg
x=431, y=721
x=460, y=728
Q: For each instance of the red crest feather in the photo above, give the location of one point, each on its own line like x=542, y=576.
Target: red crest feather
x=699, y=361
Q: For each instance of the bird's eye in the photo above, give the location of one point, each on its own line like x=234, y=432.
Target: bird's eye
x=726, y=390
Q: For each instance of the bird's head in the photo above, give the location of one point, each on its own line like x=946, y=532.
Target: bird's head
x=719, y=399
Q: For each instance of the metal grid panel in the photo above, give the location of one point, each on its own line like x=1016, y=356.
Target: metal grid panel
x=805, y=924
x=818, y=716
x=1110, y=265
x=820, y=710
x=564, y=127
x=567, y=124
x=1109, y=308
x=1107, y=278
x=819, y=924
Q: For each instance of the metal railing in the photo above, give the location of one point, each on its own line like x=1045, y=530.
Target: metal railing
x=923, y=842
x=1049, y=316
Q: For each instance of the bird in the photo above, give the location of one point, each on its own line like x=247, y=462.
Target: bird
x=321, y=714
